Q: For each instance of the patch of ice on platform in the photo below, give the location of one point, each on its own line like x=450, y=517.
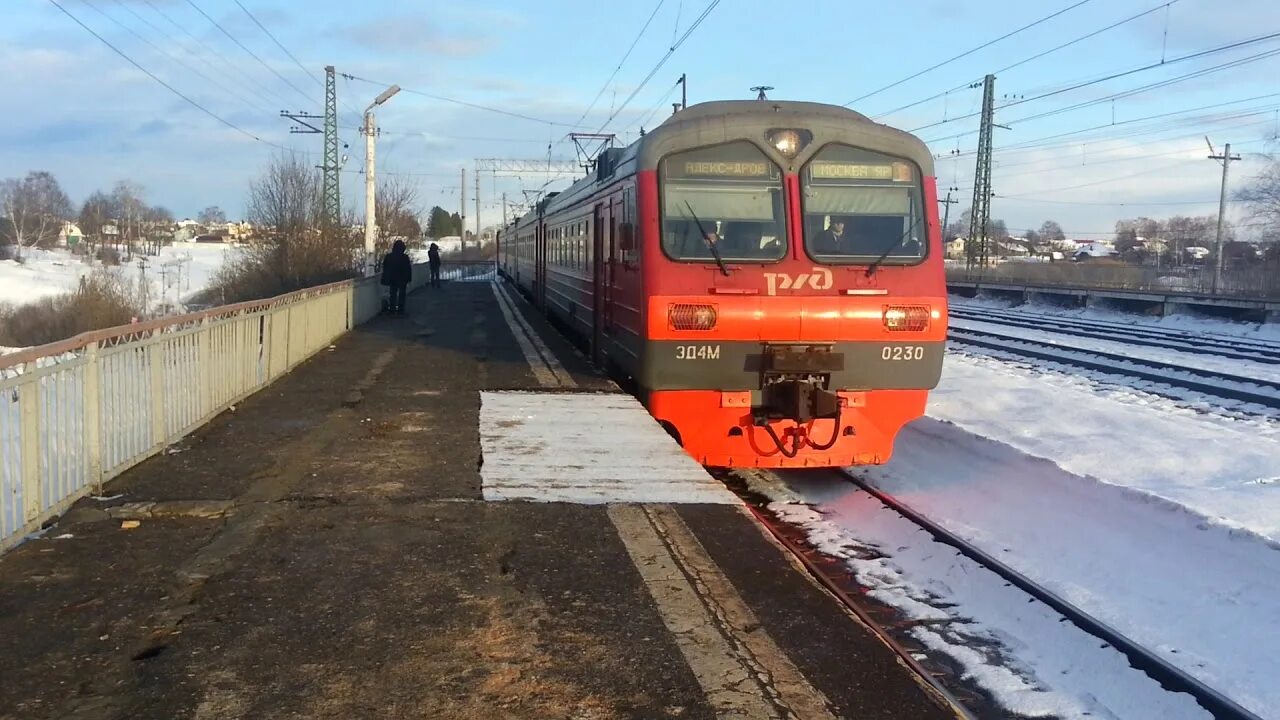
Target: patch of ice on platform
x=585, y=448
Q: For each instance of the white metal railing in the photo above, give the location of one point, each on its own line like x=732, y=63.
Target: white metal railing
x=77, y=413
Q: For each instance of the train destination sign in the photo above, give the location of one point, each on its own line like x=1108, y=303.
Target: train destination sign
x=726, y=169
x=897, y=172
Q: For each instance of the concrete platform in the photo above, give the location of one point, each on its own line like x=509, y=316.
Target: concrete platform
x=351, y=543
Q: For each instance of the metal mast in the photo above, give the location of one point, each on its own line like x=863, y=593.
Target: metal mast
x=332, y=199
x=980, y=211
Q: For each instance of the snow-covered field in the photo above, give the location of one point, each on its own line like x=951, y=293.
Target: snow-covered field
x=180, y=271
x=1160, y=518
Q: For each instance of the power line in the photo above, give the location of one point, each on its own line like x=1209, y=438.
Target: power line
x=1037, y=142
x=671, y=51
x=464, y=103
x=662, y=101
x=1113, y=76
x=279, y=44
x=967, y=52
x=252, y=54
x=166, y=85
x=1126, y=203
x=166, y=53
x=622, y=62
x=261, y=90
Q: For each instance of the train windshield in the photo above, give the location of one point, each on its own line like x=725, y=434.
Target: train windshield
x=728, y=197
x=862, y=207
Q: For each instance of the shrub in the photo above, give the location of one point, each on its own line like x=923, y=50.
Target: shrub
x=108, y=256
x=103, y=300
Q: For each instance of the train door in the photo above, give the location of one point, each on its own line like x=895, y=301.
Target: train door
x=600, y=281
x=540, y=266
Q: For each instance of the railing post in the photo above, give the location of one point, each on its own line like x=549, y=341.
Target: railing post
x=204, y=374
x=155, y=361
x=29, y=410
x=91, y=404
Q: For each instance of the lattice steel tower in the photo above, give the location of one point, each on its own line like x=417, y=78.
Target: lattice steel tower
x=980, y=211
x=332, y=162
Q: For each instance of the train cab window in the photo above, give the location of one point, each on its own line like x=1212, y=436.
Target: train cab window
x=729, y=196
x=861, y=206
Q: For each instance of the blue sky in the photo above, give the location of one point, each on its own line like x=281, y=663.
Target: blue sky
x=74, y=107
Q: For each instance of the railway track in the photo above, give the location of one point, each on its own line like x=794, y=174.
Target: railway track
x=1265, y=393
x=1167, y=675
x=944, y=679
x=1199, y=343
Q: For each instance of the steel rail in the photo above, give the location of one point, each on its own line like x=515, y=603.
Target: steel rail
x=833, y=587
x=1183, y=343
x=1167, y=675
x=1125, y=366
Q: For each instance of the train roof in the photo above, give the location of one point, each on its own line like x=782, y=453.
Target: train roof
x=720, y=121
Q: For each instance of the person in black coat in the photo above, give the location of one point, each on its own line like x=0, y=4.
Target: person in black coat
x=433, y=260
x=397, y=271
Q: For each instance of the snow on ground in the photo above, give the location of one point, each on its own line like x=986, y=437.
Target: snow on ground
x=1214, y=363
x=1018, y=651
x=51, y=272
x=1223, y=470
x=1188, y=322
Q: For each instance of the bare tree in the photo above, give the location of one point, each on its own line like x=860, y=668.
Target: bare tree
x=1262, y=196
x=128, y=198
x=398, y=211
x=291, y=249
x=212, y=215
x=1051, y=231
x=36, y=208
x=98, y=211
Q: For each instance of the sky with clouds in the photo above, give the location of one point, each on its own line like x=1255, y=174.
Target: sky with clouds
x=1079, y=155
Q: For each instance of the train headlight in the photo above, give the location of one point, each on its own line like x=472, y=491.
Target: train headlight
x=688, y=316
x=906, y=317
x=789, y=142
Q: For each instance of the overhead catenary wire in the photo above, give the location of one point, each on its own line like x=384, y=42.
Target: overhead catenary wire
x=166, y=85
x=966, y=53
x=251, y=53
x=260, y=90
x=1112, y=76
x=663, y=61
x=621, y=62
x=308, y=73
x=463, y=103
x=173, y=58
x=1038, y=55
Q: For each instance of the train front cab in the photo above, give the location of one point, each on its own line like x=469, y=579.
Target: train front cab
x=798, y=346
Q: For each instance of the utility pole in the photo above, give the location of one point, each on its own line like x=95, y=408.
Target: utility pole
x=1225, y=158
x=370, y=186
x=332, y=163
x=462, y=216
x=142, y=283
x=980, y=211
x=684, y=91
x=946, y=215
x=504, y=210
x=370, y=192
x=477, y=207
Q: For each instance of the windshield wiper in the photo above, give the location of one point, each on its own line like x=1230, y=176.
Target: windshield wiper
x=715, y=252
x=871, y=269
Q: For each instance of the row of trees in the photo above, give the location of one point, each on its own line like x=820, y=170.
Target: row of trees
x=296, y=245
x=35, y=208
x=442, y=223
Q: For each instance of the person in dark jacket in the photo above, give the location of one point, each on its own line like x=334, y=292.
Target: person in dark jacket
x=433, y=260
x=397, y=271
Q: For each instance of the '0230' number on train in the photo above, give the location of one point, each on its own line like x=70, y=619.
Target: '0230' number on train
x=902, y=352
